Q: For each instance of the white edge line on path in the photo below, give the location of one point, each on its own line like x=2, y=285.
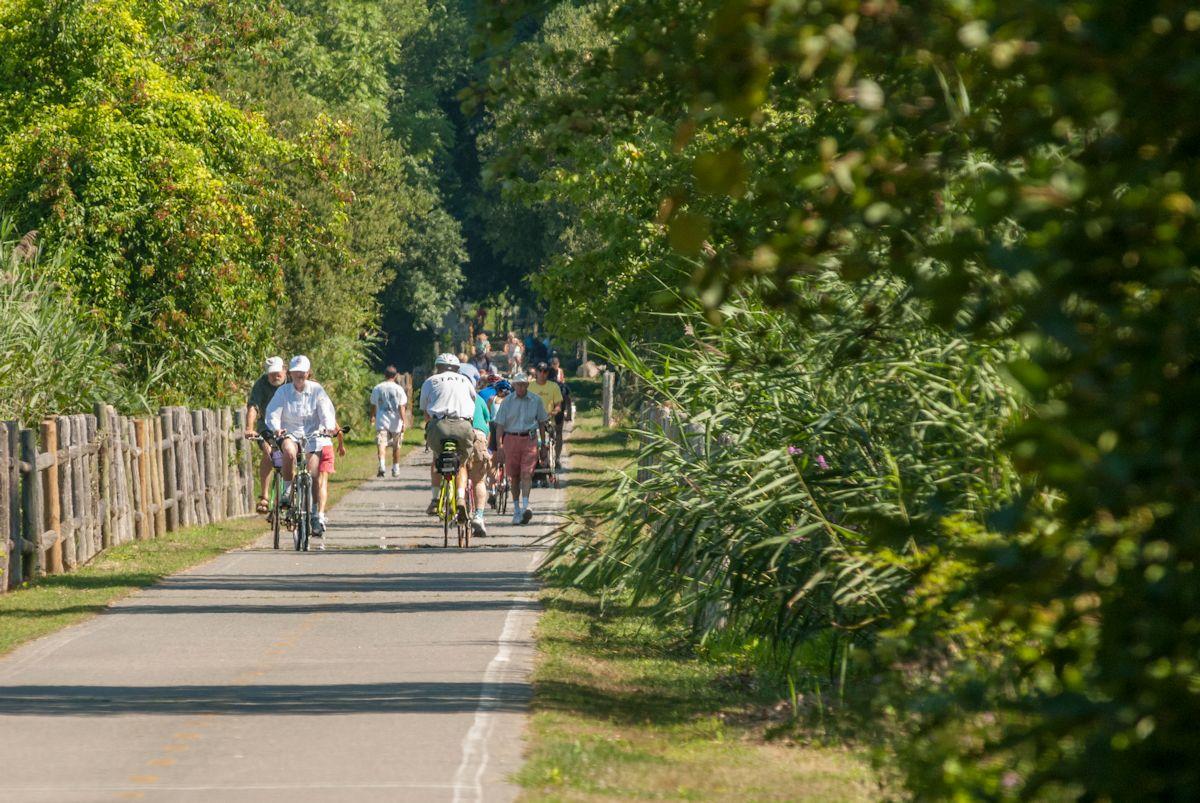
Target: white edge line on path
x=475, y=743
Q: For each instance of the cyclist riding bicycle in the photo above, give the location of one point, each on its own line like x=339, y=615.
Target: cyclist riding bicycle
x=302, y=407
x=448, y=401
x=261, y=394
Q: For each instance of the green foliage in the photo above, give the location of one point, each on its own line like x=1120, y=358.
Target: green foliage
x=231, y=179
x=158, y=191
x=1028, y=170
x=801, y=468
x=52, y=357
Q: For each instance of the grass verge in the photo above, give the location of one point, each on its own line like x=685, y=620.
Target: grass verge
x=51, y=603
x=624, y=707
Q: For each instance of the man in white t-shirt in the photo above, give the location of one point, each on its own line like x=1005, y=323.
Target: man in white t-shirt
x=448, y=401
x=388, y=402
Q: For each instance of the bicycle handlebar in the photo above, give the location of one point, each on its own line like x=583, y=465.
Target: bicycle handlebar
x=321, y=433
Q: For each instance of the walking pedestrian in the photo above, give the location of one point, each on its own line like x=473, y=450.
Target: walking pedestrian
x=388, y=401
x=517, y=424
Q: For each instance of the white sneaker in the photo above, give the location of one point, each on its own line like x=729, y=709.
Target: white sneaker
x=395, y=469
x=516, y=519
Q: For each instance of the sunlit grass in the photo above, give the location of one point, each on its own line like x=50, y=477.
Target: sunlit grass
x=625, y=708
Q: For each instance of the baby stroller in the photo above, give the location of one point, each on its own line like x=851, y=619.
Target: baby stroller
x=545, y=474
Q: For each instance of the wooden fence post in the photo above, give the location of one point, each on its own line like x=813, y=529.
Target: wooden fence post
x=245, y=482
x=116, y=487
x=197, y=470
x=66, y=491
x=16, y=558
x=406, y=382
x=128, y=480
x=104, y=475
x=606, y=397
x=83, y=504
x=141, y=486
x=170, y=498
x=31, y=506
x=187, y=468
x=50, y=497
x=95, y=491
x=156, y=473
x=217, y=439
x=8, y=540
x=229, y=479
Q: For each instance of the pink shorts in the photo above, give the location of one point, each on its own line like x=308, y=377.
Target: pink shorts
x=326, y=465
x=520, y=456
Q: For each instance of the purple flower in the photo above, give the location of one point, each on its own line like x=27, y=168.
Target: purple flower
x=821, y=462
x=795, y=450
x=1010, y=780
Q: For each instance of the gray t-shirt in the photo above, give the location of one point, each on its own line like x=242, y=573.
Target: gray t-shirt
x=390, y=400
x=260, y=396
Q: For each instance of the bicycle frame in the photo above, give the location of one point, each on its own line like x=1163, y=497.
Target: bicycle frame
x=447, y=505
x=300, y=511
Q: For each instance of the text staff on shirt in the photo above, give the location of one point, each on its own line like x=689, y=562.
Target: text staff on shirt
x=448, y=394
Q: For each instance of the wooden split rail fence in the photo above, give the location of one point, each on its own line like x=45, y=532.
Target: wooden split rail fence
x=82, y=483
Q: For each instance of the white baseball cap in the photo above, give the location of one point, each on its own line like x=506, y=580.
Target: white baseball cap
x=274, y=365
x=447, y=359
x=300, y=363
x=520, y=378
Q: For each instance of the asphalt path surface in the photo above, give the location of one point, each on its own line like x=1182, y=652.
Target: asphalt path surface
x=381, y=668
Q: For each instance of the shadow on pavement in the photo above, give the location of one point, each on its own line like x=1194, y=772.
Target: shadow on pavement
x=364, y=698
x=430, y=606
x=397, y=582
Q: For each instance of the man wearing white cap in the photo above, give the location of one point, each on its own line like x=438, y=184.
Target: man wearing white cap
x=448, y=401
x=256, y=419
x=303, y=407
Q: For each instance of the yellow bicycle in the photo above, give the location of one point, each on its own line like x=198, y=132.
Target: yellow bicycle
x=448, y=510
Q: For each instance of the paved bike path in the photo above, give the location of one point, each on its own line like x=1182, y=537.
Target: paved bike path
x=383, y=668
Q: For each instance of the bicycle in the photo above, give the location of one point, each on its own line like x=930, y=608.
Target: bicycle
x=448, y=462
x=275, y=486
x=299, y=518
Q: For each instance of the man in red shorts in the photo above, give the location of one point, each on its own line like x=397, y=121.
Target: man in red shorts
x=517, y=423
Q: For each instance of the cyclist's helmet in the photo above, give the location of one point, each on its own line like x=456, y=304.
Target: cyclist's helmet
x=447, y=359
x=503, y=386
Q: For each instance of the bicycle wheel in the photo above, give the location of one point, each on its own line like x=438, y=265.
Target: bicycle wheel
x=464, y=522
x=304, y=511
x=276, y=498
x=446, y=508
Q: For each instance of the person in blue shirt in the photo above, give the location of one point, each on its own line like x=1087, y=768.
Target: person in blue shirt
x=488, y=391
x=479, y=461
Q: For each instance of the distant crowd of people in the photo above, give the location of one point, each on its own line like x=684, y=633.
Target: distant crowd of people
x=508, y=423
